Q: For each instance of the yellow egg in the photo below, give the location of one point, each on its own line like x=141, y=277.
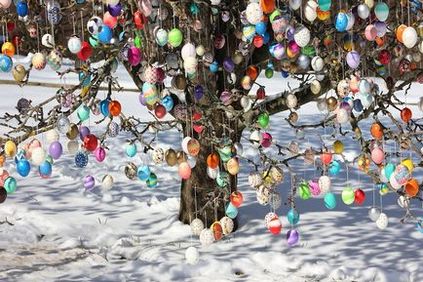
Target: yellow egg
x=338, y=147
x=409, y=164
x=10, y=148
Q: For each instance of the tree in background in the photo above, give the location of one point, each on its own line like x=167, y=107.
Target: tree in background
x=195, y=63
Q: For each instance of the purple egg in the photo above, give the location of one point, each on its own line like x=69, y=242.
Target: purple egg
x=141, y=98
x=292, y=237
x=381, y=28
x=198, y=92
x=228, y=64
x=100, y=154
x=89, y=182
x=55, y=150
x=290, y=31
x=115, y=10
x=346, y=106
x=83, y=131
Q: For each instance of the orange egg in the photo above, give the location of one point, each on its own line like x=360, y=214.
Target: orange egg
x=399, y=32
x=253, y=72
x=412, y=187
x=8, y=49
x=216, y=227
x=213, y=160
x=2, y=160
x=323, y=15
x=115, y=108
x=380, y=41
x=267, y=6
x=376, y=130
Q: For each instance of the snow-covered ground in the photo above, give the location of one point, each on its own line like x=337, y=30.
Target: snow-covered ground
x=55, y=231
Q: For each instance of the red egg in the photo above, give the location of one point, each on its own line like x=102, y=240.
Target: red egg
x=115, y=108
x=236, y=198
x=90, y=142
x=326, y=158
x=258, y=41
x=384, y=57
x=406, y=114
x=109, y=20
x=160, y=111
x=359, y=196
x=275, y=226
x=216, y=227
x=261, y=93
x=139, y=20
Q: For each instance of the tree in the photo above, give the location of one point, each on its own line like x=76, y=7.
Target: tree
x=213, y=51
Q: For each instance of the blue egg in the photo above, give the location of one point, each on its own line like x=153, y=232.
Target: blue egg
x=23, y=167
x=341, y=22
x=81, y=159
x=231, y=211
x=143, y=172
x=293, y=216
x=5, y=63
x=10, y=185
x=358, y=106
x=168, y=103
x=104, y=107
x=261, y=28
x=284, y=74
x=334, y=168
x=105, y=34
x=389, y=169
x=214, y=67
x=22, y=8
x=131, y=150
x=330, y=201
x=194, y=9
x=83, y=112
x=45, y=169
x=84, y=78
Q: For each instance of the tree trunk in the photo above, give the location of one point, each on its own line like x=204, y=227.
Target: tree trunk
x=201, y=197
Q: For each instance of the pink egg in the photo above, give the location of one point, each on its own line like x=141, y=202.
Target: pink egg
x=134, y=56
x=266, y=139
x=377, y=155
x=4, y=174
x=100, y=154
x=109, y=20
x=354, y=83
x=370, y=32
x=184, y=170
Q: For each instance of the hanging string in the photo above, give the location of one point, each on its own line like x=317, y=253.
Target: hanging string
x=82, y=27
x=195, y=200
x=374, y=195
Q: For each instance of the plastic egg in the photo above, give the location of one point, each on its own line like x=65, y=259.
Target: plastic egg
x=196, y=226
x=152, y=180
x=353, y=59
x=192, y=256
x=105, y=35
x=175, y=37
x=6, y=63
x=295, y=4
x=359, y=196
x=55, y=150
x=406, y=114
x=374, y=213
x=254, y=13
x=74, y=44
x=330, y=201
x=266, y=140
x=236, y=199
x=310, y=10
x=184, y=170
x=348, y=196
x=363, y=11
x=233, y=166
x=382, y=221
x=382, y=11
x=292, y=237
x=370, y=32
x=409, y=37
x=89, y=182
x=161, y=37
x=5, y=4
x=334, y=168
x=231, y=211
x=293, y=216
x=275, y=226
x=341, y=22
x=304, y=191
x=212, y=172
x=38, y=156
x=10, y=185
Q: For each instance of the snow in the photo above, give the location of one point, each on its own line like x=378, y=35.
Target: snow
x=54, y=231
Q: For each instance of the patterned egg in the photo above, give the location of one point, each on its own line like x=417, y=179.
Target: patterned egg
x=39, y=61
x=269, y=216
x=131, y=171
x=113, y=129
x=197, y=226
x=276, y=173
x=227, y=225
x=54, y=59
x=206, y=237
x=255, y=179
x=233, y=166
x=158, y=155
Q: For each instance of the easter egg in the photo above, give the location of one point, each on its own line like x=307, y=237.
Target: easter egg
x=293, y=216
x=292, y=237
x=359, y=196
x=236, y=199
x=382, y=221
x=275, y=226
x=89, y=182
x=23, y=167
x=330, y=201
x=377, y=155
x=231, y=211
x=334, y=168
x=175, y=37
x=348, y=196
x=10, y=185
x=184, y=170
x=55, y=150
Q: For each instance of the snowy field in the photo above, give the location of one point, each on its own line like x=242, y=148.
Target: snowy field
x=55, y=231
